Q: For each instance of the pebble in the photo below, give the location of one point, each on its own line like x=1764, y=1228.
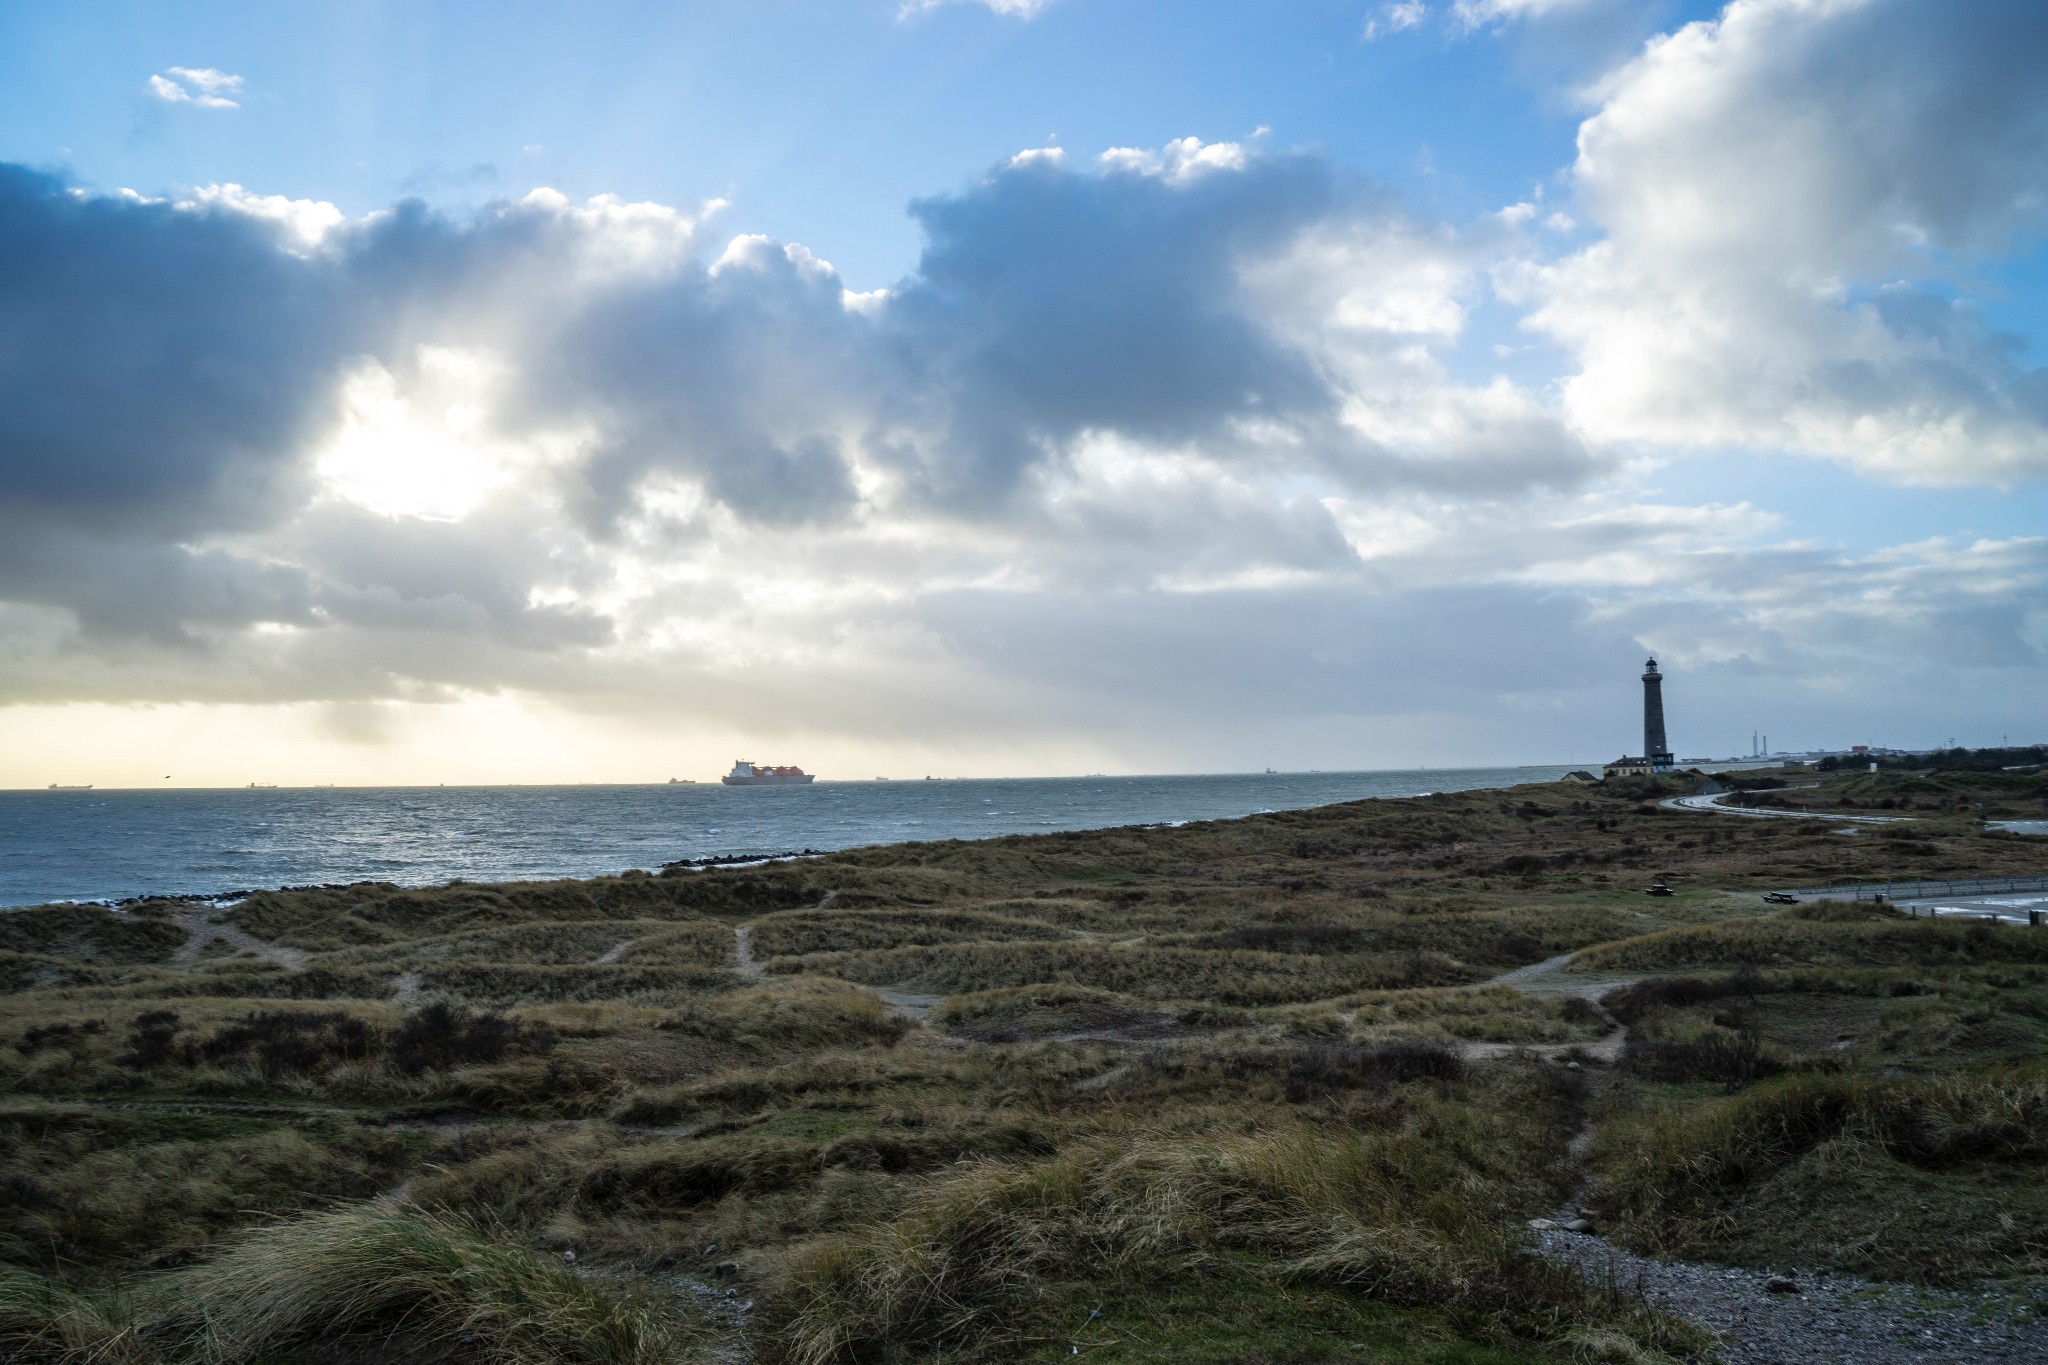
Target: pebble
x=1765, y=1318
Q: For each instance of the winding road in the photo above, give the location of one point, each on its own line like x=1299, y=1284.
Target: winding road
x=1711, y=802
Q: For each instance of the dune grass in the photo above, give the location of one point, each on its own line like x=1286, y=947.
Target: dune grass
x=983, y=1259
x=1226, y=977
x=1904, y=1177
x=1788, y=942
x=44, y=1322
x=1230, y=1083
x=428, y=1282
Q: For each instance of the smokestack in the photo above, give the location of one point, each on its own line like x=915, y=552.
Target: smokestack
x=1655, y=751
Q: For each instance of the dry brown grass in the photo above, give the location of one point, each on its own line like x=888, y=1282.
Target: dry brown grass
x=1146, y=1030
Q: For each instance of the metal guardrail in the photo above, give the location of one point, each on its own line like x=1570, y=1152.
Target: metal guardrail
x=1982, y=886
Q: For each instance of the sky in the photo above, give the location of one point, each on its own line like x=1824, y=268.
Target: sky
x=536, y=392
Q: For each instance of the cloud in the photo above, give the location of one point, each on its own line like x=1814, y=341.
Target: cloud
x=1397, y=16
x=1475, y=14
x=1796, y=199
x=1153, y=367
x=1016, y=9
x=1178, y=441
x=203, y=87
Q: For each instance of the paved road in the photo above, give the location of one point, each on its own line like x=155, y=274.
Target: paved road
x=2010, y=909
x=1712, y=802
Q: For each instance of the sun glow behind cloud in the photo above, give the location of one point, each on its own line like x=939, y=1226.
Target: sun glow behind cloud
x=1164, y=456
x=429, y=449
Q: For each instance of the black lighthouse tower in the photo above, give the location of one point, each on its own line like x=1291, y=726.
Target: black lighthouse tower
x=1656, y=752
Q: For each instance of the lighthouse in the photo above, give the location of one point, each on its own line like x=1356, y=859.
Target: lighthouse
x=1655, y=750
x=1656, y=756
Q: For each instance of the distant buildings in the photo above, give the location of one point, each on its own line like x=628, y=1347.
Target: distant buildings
x=1656, y=756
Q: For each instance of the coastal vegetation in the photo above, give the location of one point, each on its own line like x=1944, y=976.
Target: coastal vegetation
x=1281, y=1089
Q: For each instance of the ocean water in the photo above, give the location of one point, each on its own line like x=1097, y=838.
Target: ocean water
x=85, y=845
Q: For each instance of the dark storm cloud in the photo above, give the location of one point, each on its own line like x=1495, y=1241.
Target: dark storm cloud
x=158, y=366
x=1047, y=304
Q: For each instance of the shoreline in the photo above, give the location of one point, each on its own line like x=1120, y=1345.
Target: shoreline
x=420, y=846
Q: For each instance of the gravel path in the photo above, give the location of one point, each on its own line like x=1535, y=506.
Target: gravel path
x=1828, y=1319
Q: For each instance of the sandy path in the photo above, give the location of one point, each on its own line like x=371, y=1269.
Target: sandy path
x=743, y=951
x=612, y=953
x=201, y=929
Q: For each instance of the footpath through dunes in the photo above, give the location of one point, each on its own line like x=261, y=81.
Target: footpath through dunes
x=1284, y=1088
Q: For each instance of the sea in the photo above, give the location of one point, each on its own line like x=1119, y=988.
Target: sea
x=110, y=845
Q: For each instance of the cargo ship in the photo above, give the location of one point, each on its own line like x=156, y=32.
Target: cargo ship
x=745, y=774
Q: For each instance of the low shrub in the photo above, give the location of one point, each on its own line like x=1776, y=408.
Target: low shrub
x=281, y=1042
x=60, y=1035
x=442, y=1035
x=151, y=1039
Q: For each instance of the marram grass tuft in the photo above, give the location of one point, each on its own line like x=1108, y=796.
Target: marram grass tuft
x=379, y=1273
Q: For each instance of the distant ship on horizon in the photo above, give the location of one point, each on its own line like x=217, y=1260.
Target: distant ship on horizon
x=71, y=786
x=746, y=774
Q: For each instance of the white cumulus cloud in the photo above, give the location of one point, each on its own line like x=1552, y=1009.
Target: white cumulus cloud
x=1796, y=199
